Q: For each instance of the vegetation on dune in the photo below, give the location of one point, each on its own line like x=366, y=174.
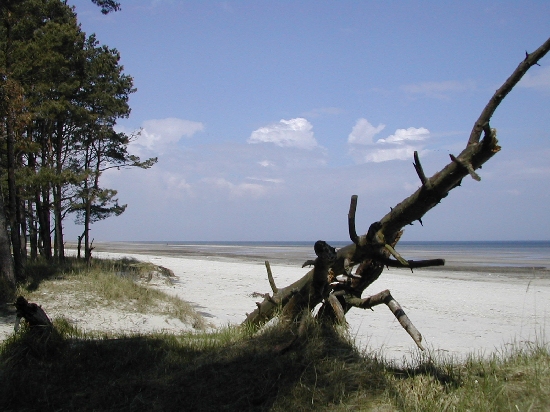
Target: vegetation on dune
x=106, y=284
x=237, y=368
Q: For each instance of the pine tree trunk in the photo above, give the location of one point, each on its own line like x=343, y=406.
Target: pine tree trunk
x=23, y=225
x=44, y=220
x=87, y=213
x=33, y=235
x=79, y=247
x=7, y=271
x=31, y=217
x=12, y=196
x=57, y=206
x=10, y=149
x=58, y=224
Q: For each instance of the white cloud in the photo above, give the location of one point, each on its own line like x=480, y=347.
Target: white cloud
x=402, y=135
x=363, y=132
x=539, y=79
x=267, y=180
x=439, y=90
x=384, y=155
x=176, y=185
x=156, y=134
x=286, y=133
x=398, y=146
x=237, y=190
x=266, y=163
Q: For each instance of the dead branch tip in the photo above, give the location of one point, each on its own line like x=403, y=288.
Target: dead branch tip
x=270, y=277
x=418, y=168
x=351, y=220
x=468, y=166
x=386, y=298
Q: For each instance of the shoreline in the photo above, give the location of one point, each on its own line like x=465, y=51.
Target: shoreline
x=296, y=256
x=457, y=313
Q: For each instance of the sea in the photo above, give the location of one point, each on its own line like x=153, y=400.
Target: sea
x=505, y=256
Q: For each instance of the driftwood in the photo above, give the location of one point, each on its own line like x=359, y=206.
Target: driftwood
x=375, y=249
x=33, y=314
x=386, y=298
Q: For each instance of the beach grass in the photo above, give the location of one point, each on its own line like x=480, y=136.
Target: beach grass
x=107, y=283
x=236, y=368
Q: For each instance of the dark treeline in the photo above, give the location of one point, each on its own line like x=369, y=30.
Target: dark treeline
x=61, y=94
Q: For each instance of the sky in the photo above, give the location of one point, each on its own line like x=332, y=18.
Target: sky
x=267, y=116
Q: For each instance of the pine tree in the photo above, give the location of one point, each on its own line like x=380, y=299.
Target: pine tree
x=105, y=96
x=60, y=97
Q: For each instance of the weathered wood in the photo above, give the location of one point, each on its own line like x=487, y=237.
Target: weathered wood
x=269, y=306
x=351, y=221
x=419, y=169
x=386, y=298
x=337, y=309
x=482, y=123
x=270, y=277
x=33, y=314
x=412, y=264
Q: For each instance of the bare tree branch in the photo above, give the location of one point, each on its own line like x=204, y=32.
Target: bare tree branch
x=483, y=121
x=270, y=277
x=351, y=220
x=418, y=168
x=386, y=298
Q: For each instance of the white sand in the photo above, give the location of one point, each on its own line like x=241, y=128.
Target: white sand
x=454, y=312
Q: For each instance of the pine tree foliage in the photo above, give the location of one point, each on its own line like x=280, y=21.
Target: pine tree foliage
x=61, y=94
x=107, y=6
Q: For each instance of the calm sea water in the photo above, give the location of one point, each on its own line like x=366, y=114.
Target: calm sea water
x=492, y=253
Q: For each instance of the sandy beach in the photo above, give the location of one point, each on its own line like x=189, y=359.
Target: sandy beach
x=457, y=312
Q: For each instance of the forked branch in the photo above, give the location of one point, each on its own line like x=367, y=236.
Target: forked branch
x=386, y=298
x=482, y=123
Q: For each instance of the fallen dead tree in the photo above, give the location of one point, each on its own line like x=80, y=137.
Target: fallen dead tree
x=332, y=281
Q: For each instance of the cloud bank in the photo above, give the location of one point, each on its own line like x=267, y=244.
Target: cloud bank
x=296, y=133
x=238, y=190
x=157, y=134
x=398, y=146
x=363, y=132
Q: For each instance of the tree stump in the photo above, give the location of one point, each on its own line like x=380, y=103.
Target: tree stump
x=33, y=314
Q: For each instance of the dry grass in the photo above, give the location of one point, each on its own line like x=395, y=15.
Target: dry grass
x=107, y=284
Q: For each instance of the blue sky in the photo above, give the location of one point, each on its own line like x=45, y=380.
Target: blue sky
x=267, y=116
